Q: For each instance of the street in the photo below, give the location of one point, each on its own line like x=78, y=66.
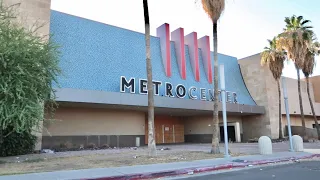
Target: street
x=297, y=171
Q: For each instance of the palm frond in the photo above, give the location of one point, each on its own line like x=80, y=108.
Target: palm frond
x=287, y=20
x=305, y=22
x=293, y=20
x=298, y=19
x=213, y=8
x=307, y=27
x=273, y=58
x=309, y=64
x=296, y=44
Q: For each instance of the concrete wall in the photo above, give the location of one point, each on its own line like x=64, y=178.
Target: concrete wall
x=33, y=13
x=85, y=126
x=293, y=97
x=296, y=121
x=256, y=78
x=298, y=130
x=263, y=89
x=90, y=121
x=198, y=129
x=296, y=126
x=202, y=124
x=316, y=87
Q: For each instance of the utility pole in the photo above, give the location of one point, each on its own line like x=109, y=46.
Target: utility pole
x=285, y=96
x=224, y=110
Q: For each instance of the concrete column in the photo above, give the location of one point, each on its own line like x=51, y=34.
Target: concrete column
x=263, y=89
x=237, y=132
x=32, y=14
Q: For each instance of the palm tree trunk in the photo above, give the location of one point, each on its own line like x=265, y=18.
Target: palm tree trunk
x=305, y=138
x=280, y=114
x=151, y=141
x=312, y=108
x=1, y=136
x=215, y=124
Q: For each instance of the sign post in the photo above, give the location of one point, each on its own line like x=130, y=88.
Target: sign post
x=224, y=112
x=285, y=96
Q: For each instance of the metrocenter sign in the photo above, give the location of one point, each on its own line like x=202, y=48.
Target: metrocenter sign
x=179, y=90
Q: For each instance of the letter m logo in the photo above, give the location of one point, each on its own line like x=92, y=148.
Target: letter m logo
x=193, y=43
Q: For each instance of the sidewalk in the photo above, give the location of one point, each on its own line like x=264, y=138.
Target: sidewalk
x=161, y=170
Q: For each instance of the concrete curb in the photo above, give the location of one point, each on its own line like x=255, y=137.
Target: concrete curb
x=196, y=170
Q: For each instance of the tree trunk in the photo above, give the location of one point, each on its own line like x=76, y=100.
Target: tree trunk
x=280, y=114
x=215, y=124
x=1, y=136
x=151, y=139
x=305, y=138
x=312, y=109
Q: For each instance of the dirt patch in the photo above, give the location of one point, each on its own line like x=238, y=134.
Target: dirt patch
x=101, y=161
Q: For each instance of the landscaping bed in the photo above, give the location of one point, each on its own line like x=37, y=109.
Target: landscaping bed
x=96, y=159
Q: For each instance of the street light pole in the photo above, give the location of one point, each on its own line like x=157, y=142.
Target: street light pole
x=224, y=113
x=285, y=96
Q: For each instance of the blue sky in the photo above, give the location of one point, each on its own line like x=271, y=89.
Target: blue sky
x=243, y=29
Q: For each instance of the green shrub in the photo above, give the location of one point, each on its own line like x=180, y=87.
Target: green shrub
x=17, y=143
x=29, y=67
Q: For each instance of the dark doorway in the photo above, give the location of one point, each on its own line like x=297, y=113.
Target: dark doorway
x=231, y=134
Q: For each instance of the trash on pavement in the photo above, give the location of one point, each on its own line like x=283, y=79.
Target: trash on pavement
x=190, y=172
x=240, y=161
x=49, y=151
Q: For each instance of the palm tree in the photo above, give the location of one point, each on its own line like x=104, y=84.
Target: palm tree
x=309, y=63
x=295, y=41
x=275, y=60
x=214, y=9
x=151, y=139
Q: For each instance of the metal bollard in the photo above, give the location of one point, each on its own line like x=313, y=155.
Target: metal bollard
x=265, y=145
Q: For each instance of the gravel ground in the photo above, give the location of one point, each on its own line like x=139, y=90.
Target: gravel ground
x=125, y=157
x=135, y=157
x=237, y=148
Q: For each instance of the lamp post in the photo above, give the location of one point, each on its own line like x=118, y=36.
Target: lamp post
x=285, y=96
x=224, y=113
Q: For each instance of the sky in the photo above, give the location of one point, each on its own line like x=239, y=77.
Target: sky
x=243, y=28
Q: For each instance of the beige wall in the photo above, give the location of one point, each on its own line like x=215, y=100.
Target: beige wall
x=31, y=13
x=200, y=124
x=263, y=89
x=296, y=126
x=316, y=87
x=293, y=98
x=90, y=121
x=256, y=78
x=296, y=121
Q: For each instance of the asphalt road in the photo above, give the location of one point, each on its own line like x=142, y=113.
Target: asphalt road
x=309, y=170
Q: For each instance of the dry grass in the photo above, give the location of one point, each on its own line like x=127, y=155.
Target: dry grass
x=100, y=161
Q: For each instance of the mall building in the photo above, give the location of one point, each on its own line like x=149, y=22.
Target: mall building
x=102, y=92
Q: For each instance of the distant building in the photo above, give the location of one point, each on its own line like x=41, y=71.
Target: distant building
x=263, y=89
